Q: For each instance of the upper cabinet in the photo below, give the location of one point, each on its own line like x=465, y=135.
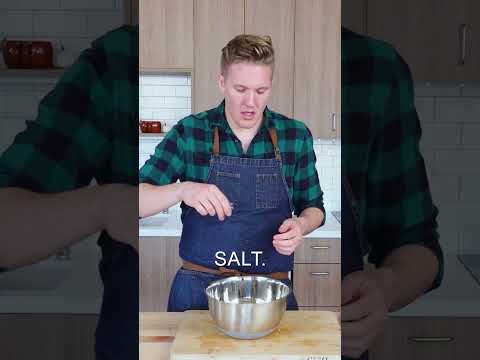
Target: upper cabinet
x=317, y=66
x=166, y=34
x=216, y=22
x=437, y=38
x=276, y=18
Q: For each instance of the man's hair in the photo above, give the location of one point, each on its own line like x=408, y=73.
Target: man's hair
x=248, y=48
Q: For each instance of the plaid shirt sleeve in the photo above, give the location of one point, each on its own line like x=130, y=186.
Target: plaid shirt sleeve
x=306, y=186
x=60, y=150
x=400, y=208
x=166, y=165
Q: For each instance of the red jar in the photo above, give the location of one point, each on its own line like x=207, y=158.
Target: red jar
x=41, y=54
x=12, y=53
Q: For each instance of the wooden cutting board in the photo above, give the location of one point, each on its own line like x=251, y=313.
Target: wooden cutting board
x=307, y=335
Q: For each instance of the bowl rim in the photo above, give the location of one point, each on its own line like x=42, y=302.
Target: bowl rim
x=231, y=278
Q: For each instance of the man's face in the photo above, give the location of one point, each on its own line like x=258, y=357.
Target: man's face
x=246, y=88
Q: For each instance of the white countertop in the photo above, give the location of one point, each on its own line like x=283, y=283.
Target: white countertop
x=171, y=225
x=457, y=296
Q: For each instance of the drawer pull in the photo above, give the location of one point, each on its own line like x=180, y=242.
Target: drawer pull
x=320, y=247
x=431, y=339
x=320, y=273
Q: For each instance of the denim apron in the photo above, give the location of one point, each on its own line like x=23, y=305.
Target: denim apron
x=353, y=245
x=258, y=193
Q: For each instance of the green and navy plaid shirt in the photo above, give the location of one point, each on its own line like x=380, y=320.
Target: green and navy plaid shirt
x=86, y=127
x=380, y=149
x=185, y=151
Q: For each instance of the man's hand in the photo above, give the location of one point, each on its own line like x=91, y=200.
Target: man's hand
x=207, y=199
x=289, y=237
x=364, y=311
x=119, y=204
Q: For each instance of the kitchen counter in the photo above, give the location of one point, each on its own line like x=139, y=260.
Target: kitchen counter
x=157, y=332
x=457, y=296
x=171, y=225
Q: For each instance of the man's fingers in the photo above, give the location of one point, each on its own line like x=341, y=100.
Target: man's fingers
x=286, y=225
x=200, y=209
x=218, y=208
x=208, y=206
x=227, y=209
x=351, y=285
x=285, y=236
x=356, y=310
x=358, y=328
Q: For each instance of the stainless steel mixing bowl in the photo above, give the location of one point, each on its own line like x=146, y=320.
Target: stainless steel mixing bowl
x=247, y=307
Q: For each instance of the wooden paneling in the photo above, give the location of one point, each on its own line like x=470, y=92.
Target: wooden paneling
x=354, y=15
x=159, y=261
x=216, y=23
x=166, y=34
x=317, y=66
x=318, y=251
x=47, y=336
x=276, y=18
x=317, y=284
x=429, y=36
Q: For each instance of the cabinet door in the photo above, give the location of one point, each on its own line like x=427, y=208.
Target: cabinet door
x=166, y=34
x=216, y=23
x=159, y=261
x=317, y=66
x=425, y=32
x=317, y=284
x=276, y=18
x=354, y=15
x=319, y=251
x=472, y=42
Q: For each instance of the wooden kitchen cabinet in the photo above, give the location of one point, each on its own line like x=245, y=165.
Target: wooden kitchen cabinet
x=47, y=336
x=317, y=274
x=419, y=338
x=166, y=34
x=428, y=35
x=317, y=66
x=159, y=262
x=276, y=18
x=216, y=22
x=354, y=15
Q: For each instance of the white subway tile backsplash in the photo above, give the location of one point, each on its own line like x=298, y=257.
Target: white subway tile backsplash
x=425, y=109
x=148, y=90
x=437, y=89
x=165, y=114
x=23, y=103
x=88, y=4
x=3, y=102
x=152, y=102
x=470, y=190
x=183, y=91
x=448, y=226
x=16, y=24
x=164, y=80
x=436, y=135
x=30, y=4
x=469, y=235
x=445, y=187
x=463, y=162
x=177, y=102
x=455, y=110
x=471, y=90
x=60, y=24
x=99, y=24
x=471, y=135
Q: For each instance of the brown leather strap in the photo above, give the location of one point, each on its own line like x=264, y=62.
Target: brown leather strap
x=273, y=137
x=222, y=271
x=216, y=142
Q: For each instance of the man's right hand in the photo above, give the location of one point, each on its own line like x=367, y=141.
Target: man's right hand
x=207, y=199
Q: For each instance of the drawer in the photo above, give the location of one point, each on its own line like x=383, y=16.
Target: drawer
x=314, y=250
x=317, y=284
x=320, y=308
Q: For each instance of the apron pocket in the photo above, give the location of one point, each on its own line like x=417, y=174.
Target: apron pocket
x=267, y=194
x=229, y=185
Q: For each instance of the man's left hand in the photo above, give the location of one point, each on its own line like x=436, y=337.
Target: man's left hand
x=289, y=237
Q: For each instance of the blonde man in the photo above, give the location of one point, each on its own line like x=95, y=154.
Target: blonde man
x=243, y=170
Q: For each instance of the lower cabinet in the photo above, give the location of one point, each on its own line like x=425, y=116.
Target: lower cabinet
x=159, y=262
x=317, y=274
x=416, y=338
x=47, y=336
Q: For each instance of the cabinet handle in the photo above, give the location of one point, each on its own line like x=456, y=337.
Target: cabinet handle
x=463, y=44
x=320, y=273
x=431, y=339
x=334, y=122
x=320, y=247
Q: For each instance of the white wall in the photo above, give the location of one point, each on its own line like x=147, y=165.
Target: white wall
x=450, y=118
x=75, y=23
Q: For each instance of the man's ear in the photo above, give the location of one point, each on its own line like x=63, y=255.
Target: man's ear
x=221, y=83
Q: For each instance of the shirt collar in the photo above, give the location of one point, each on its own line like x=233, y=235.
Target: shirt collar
x=217, y=118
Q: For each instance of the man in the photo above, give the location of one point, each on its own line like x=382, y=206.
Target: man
x=86, y=129
x=243, y=170
x=387, y=209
